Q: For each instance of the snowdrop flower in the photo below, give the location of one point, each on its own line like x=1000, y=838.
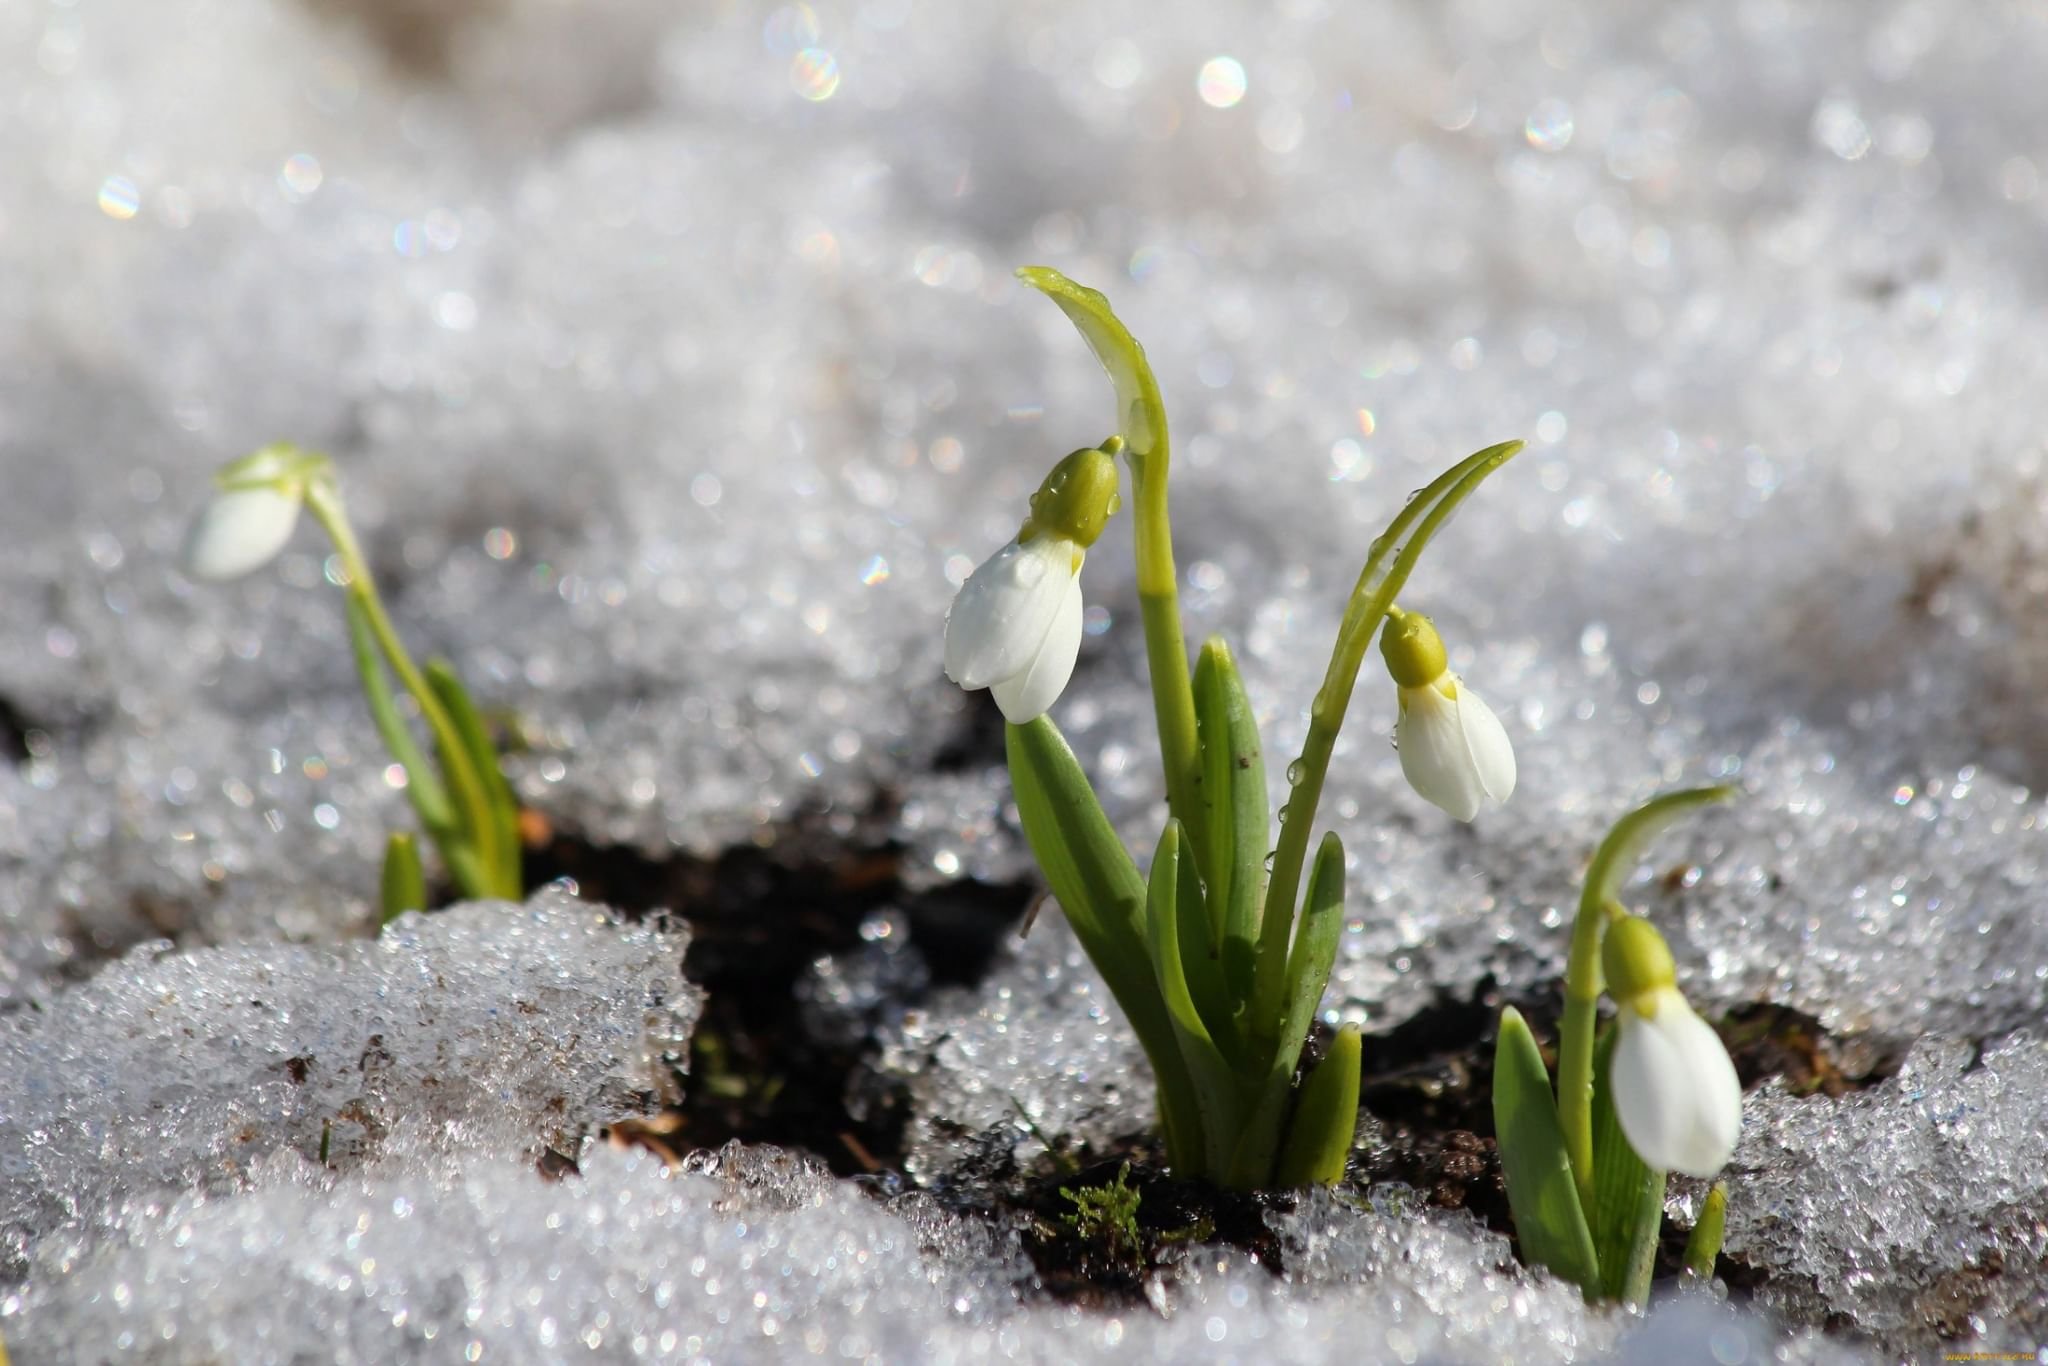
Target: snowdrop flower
x=1453, y=749
x=1675, y=1091
x=1015, y=627
x=252, y=513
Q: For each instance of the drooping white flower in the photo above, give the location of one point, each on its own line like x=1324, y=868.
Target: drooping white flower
x=253, y=511
x=1015, y=626
x=1454, y=751
x=1675, y=1091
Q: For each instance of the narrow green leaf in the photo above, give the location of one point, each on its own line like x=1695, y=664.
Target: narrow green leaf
x=1541, y=1193
x=1215, y=1086
x=404, y=883
x=1234, y=803
x=1307, y=977
x=1326, y=1117
x=1141, y=415
x=475, y=738
x=1628, y=1198
x=422, y=784
x=1202, y=965
x=1703, y=1246
x=1097, y=885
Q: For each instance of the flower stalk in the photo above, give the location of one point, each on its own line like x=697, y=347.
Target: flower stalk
x=461, y=798
x=1653, y=1094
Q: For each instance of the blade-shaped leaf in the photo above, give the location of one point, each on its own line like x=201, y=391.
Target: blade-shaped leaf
x=475, y=738
x=404, y=884
x=1307, y=977
x=1541, y=1193
x=1216, y=1090
x=1234, y=805
x=1628, y=1197
x=1097, y=885
x=1140, y=414
x=422, y=783
x=1202, y=964
x=1325, y=1118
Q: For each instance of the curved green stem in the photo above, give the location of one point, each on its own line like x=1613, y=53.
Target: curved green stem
x=1575, y=1035
x=1388, y=564
x=1582, y=984
x=472, y=799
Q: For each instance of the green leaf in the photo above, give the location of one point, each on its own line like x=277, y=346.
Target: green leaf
x=1307, y=977
x=1628, y=1197
x=1097, y=885
x=1216, y=1092
x=422, y=783
x=404, y=884
x=475, y=738
x=1234, y=805
x=1703, y=1246
x=1315, y=949
x=1326, y=1117
x=1541, y=1193
x=1141, y=416
x=1202, y=965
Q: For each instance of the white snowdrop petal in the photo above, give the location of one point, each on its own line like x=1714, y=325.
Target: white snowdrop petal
x=1675, y=1091
x=1486, y=742
x=238, y=532
x=1029, y=695
x=1001, y=615
x=1435, y=757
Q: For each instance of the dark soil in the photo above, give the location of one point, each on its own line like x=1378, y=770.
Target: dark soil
x=761, y=915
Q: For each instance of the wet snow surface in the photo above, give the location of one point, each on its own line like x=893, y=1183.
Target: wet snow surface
x=674, y=371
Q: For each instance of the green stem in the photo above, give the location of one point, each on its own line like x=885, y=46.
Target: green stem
x=1166, y=651
x=1582, y=984
x=1703, y=1247
x=1404, y=540
x=1575, y=1034
x=323, y=500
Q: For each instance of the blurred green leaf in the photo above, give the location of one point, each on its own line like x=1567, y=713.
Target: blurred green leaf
x=1703, y=1246
x=404, y=883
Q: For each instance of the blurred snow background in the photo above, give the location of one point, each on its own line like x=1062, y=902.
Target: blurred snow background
x=676, y=376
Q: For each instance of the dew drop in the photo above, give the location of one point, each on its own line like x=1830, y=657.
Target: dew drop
x=1296, y=771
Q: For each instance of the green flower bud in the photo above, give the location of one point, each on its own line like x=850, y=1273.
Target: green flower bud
x=1414, y=651
x=1077, y=498
x=1638, y=962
